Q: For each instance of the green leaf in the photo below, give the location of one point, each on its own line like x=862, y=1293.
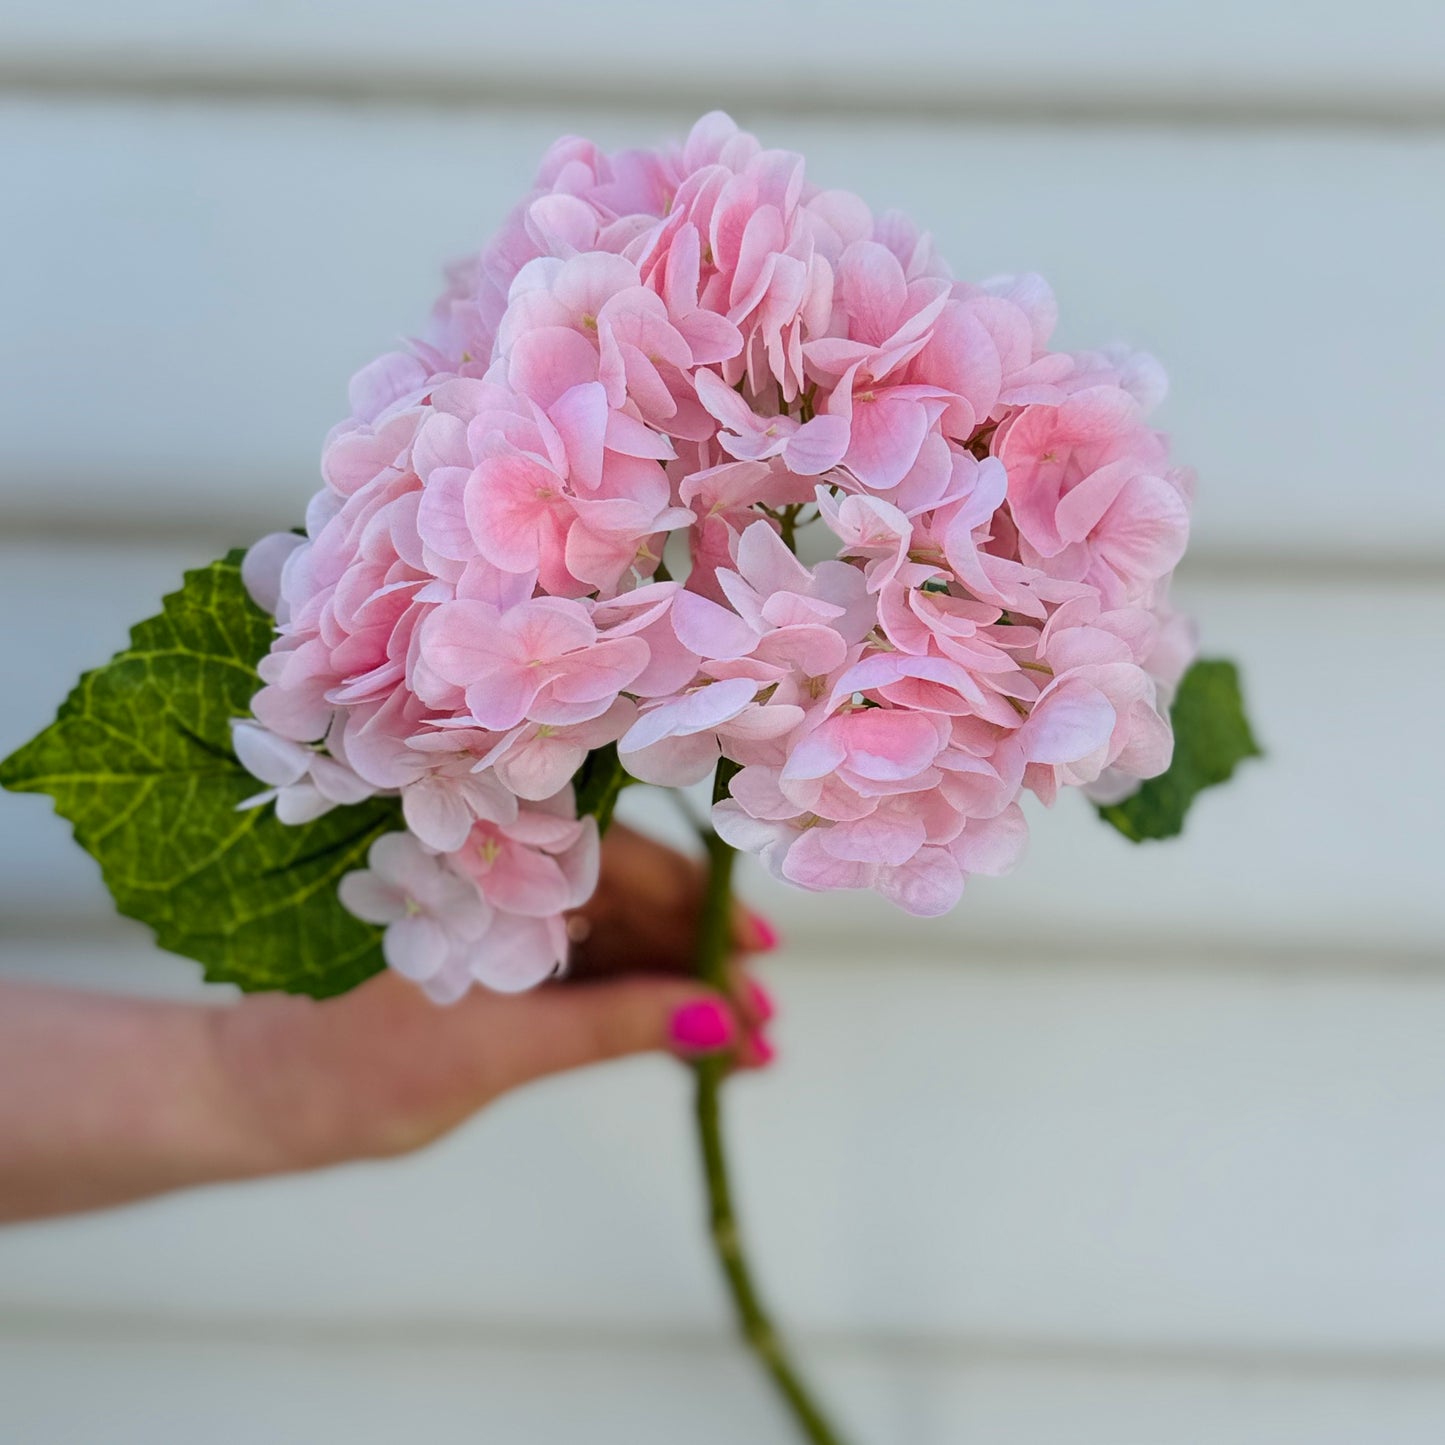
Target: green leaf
x=139, y=760
x=1211, y=736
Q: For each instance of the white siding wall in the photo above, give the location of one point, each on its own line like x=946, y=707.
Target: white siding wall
x=1138, y=1146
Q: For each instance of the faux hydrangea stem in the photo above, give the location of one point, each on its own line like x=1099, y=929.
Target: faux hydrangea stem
x=753, y=1320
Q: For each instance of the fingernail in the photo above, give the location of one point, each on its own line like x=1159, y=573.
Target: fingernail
x=702, y=1027
x=762, y=936
x=762, y=1000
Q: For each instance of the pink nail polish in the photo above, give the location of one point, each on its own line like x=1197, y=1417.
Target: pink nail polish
x=765, y=936
x=762, y=1000
x=702, y=1027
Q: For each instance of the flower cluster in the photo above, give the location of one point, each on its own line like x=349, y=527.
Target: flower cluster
x=707, y=462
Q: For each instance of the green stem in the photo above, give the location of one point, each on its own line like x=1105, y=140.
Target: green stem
x=753, y=1320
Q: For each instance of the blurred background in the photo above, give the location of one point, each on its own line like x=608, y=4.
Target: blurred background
x=1137, y=1148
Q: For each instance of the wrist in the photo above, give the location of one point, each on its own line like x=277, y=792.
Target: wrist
x=308, y=1081
x=277, y=1123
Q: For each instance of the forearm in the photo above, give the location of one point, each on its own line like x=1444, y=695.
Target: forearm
x=107, y=1100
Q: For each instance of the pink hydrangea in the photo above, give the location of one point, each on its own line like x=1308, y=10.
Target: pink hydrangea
x=918, y=561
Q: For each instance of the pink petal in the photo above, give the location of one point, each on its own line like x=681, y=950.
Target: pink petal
x=673, y=762
x=1143, y=534
x=710, y=630
x=549, y=361
x=274, y=760
x=538, y=768
x=581, y=417
x=461, y=641
x=1071, y=720
x=810, y=865
x=927, y=885
x=742, y=831
x=370, y=897
x=507, y=507
x=527, y=882
x=518, y=953
x=436, y=814
x=442, y=517
x=384, y=382
x=261, y=568
x=724, y=403
x=992, y=846
x=873, y=288
x=817, y=445
x=633, y=438
x=600, y=671
x=416, y=947
x=502, y=699
x=703, y=708
x=884, y=439
x=891, y=837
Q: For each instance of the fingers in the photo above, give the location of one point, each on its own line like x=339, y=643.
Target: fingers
x=552, y=1030
x=752, y=933
x=383, y=1070
x=644, y=914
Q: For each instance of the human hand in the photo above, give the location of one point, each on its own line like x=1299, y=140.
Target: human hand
x=382, y=1070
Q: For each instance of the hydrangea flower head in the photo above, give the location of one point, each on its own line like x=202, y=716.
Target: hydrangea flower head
x=919, y=560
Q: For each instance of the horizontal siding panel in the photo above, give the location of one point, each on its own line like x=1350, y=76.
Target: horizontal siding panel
x=217, y=272
x=1130, y=1157
x=101, y=1389
x=1331, y=842
x=824, y=52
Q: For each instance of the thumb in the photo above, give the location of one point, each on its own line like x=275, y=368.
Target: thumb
x=554, y=1029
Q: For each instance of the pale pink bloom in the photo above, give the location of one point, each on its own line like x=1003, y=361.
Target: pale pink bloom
x=295, y=678
x=796, y=850
x=303, y=783
x=872, y=750
x=521, y=951
x=803, y=618
x=435, y=919
x=519, y=513
x=443, y=804
x=926, y=684
x=538, y=760
x=697, y=340
x=539, y=865
x=548, y=292
x=992, y=845
x=766, y=838
x=366, y=453
x=929, y=883
x=723, y=500
x=1083, y=489
x=1097, y=714
x=262, y=568
x=806, y=447
x=887, y=425
x=541, y=661
x=871, y=529
x=678, y=276
x=678, y=740
x=646, y=614
x=889, y=318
